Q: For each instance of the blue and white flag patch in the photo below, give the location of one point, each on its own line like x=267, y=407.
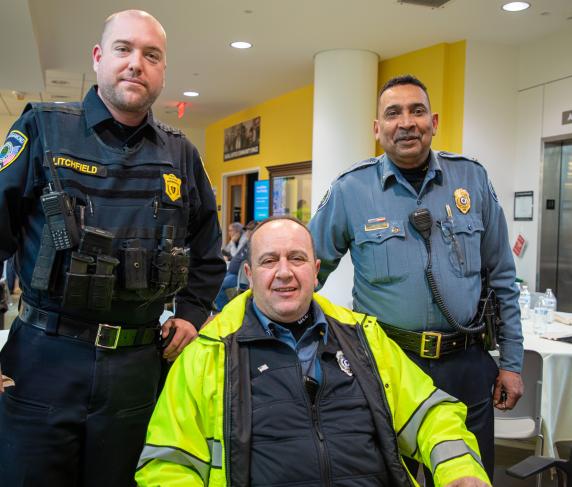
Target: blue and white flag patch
x=12, y=148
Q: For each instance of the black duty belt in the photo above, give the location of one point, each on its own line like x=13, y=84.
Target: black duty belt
x=102, y=335
x=430, y=344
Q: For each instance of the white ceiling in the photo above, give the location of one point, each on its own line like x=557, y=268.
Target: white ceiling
x=46, y=40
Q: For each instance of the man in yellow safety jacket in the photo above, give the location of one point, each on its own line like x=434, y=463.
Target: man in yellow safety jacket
x=285, y=388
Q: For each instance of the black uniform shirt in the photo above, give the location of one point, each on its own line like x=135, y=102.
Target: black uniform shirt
x=22, y=179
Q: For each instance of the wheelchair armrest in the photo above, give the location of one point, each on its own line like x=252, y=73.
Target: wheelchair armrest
x=534, y=465
x=531, y=466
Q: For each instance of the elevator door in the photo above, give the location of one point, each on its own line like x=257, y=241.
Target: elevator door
x=556, y=230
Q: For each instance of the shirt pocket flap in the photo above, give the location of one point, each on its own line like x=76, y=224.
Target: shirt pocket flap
x=467, y=225
x=380, y=232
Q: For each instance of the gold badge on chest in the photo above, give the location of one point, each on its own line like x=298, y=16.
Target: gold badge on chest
x=462, y=200
x=172, y=186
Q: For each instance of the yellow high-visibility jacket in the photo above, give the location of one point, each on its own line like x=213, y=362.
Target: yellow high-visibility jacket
x=192, y=439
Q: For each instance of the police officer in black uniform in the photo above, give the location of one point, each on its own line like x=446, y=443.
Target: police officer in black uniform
x=110, y=214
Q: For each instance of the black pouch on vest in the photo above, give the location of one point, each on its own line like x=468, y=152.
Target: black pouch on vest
x=101, y=284
x=100, y=292
x=77, y=281
x=133, y=267
x=180, y=271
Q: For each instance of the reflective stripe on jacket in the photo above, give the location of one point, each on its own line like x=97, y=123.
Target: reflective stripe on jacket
x=193, y=440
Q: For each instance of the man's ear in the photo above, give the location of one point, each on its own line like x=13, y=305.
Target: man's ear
x=96, y=56
x=376, y=129
x=248, y=272
x=318, y=262
x=435, y=120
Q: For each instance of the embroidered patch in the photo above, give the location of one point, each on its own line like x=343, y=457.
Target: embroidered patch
x=89, y=168
x=325, y=199
x=462, y=200
x=344, y=363
x=12, y=148
x=172, y=186
x=493, y=193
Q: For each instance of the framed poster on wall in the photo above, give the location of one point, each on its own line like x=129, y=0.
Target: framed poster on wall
x=242, y=139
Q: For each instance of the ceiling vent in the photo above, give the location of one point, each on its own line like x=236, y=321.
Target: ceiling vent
x=426, y=3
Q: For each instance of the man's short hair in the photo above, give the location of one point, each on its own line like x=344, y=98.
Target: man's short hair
x=273, y=219
x=236, y=227
x=405, y=79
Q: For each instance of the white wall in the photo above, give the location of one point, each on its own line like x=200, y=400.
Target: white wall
x=514, y=98
x=490, y=109
x=526, y=177
x=545, y=91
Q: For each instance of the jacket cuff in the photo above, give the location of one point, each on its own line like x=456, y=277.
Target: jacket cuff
x=457, y=468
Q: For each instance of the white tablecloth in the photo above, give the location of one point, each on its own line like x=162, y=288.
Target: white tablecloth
x=556, y=409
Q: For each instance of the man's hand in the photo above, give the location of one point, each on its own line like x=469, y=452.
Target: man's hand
x=468, y=482
x=185, y=333
x=508, y=389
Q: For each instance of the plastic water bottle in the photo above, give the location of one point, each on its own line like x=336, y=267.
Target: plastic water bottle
x=540, y=318
x=550, y=304
x=524, y=302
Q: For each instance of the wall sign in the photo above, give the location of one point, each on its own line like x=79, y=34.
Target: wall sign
x=523, y=205
x=261, y=199
x=566, y=117
x=242, y=139
x=519, y=245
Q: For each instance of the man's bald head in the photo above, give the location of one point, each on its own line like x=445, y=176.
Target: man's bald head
x=129, y=13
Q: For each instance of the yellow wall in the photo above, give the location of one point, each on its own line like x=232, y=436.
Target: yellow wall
x=286, y=121
x=442, y=70
x=285, y=136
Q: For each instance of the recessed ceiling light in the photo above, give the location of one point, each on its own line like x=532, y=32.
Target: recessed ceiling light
x=190, y=93
x=515, y=6
x=241, y=45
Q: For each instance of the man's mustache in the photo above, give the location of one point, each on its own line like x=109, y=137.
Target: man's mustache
x=406, y=136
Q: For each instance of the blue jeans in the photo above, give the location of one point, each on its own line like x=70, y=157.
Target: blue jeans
x=229, y=281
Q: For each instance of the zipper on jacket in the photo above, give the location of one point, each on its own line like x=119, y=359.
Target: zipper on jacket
x=226, y=410
x=322, y=450
x=372, y=364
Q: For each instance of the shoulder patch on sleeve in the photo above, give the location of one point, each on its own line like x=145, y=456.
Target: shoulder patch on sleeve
x=15, y=143
x=325, y=198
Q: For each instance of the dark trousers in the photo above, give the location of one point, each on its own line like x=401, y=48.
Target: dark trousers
x=77, y=415
x=469, y=376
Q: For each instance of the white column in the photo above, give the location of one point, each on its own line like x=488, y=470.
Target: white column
x=345, y=104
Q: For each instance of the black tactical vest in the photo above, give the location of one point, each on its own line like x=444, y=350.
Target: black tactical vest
x=133, y=193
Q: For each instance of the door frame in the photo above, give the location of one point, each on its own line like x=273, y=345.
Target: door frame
x=224, y=203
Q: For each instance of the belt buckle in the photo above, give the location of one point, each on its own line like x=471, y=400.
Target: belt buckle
x=425, y=339
x=103, y=327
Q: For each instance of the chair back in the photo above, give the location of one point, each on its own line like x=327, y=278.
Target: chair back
x=242, y=283
x=529, y=404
